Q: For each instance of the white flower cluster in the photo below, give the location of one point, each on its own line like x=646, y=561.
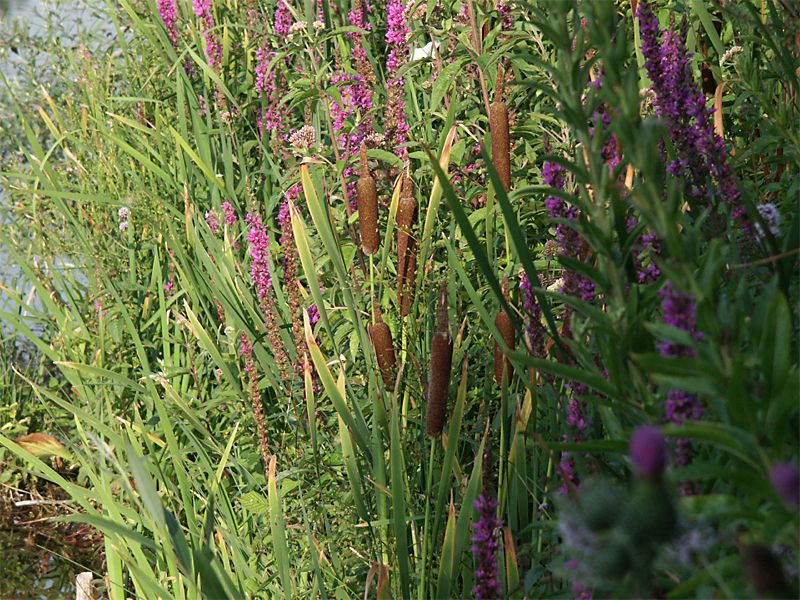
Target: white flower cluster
x=772, y=219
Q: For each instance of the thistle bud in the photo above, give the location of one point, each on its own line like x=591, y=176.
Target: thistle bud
x=381, y=338
x=367, y=201
x=441, y=362
x=498, y=125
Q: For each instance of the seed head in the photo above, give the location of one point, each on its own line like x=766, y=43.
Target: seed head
x=367, y=200
x=498, y=124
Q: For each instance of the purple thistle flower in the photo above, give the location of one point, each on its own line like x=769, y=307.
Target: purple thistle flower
x=785, y=478
x=682, y=106
x=229, y=213
x=166, y=9
x=484, y=547
x=258, y=241
x=648, y=452
x=203, y=12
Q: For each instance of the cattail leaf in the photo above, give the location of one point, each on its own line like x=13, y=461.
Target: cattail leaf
x=390, y=221
x=465, y=518
x=398, y=489
x=517, y=493
x=309, y=266
x=447, y=560
x=311, y=407
x=700, y=9
x=442, y=165
x=356, y=426
x=511, y=561
x=443, y=82
x=278, y=530
x=453, y=436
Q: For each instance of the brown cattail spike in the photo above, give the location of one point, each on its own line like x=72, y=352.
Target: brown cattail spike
x=498, y=124
x=441, y=363
x=367, y=201
x=381, y=338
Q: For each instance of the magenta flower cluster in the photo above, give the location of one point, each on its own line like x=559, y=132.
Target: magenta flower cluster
x=397, y=34
x=678, y=310
x=258, y=247
x=682, y=106
x=355, y=90
x=484, y=548
x=166, y=9
x=228, y=213
x=204, y=13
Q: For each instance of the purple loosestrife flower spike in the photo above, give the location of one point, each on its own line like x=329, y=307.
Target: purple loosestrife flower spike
x=166, y=9
x=484, y=540
x=397, y=35
x=230, y=214
x=785, y=478
x=258, y=241
x=648, y=452
x=534, y=330
x=568, y=241
x=203, y=12
x=682, y=106
x=678, y=310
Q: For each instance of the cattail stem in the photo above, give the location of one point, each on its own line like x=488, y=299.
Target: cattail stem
x=425, y=529
x=440, y=366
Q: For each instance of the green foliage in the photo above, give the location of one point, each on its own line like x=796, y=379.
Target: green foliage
x=139, y=328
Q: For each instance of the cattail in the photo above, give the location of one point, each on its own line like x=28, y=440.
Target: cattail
x=406, y=286
x=441, y=362
x=381, y=338
x=367, y=201
x=406, y=218
x=506, y=327
x=498, y=124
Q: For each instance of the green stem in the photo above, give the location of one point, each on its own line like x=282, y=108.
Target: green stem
x=422, y=583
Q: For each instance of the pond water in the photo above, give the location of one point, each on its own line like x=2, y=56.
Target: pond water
x=13, y=8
